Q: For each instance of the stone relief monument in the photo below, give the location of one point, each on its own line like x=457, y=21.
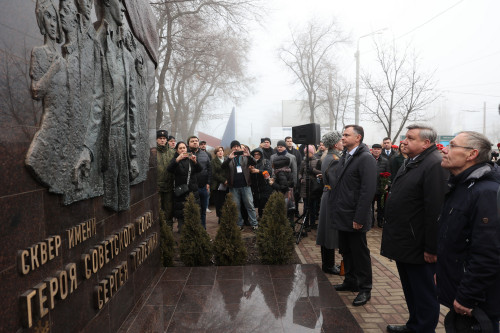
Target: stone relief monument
x=93, y=139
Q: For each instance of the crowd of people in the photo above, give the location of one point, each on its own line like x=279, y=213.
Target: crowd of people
x=439, y=208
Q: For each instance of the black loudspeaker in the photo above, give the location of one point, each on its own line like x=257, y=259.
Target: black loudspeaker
x=306, y=134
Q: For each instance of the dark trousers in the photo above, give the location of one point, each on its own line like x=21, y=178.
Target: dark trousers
x=357, y=261
x=219, y=197
x=420, y=294
x=380, y=210
x=203, y=192
x=327, y=258
x=259, y=202
x=167, y=205
x=296, y=198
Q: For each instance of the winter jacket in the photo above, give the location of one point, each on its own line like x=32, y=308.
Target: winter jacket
x=292, y=165
x=468, y=267
x=205, y=176
x=260, y=186
x=283, y=180
x=313, y=184
x=353, y=190
x=382, y=166
x=218, y=175
x=391, y=155
x=180, y=171
x=412, y=208
x=396, y=162
x=327, y=235
x=299, y=158
x=268, y=152
x=164, y=155
x=229, y=166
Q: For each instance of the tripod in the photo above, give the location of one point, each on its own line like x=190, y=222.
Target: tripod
x=305, y=218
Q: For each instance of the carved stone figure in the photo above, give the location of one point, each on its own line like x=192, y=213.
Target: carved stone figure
x=139, y=86
x=93, y=139
x=114, y=113
x=46, y=155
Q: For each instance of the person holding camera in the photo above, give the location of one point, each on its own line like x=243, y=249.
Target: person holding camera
x=239, y=181
x=185, y=168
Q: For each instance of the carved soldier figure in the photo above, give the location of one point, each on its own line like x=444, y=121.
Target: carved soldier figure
x=112, y=129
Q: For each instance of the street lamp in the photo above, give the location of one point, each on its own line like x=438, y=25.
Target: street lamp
x=356, y=55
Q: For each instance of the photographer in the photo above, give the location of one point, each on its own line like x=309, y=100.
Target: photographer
x=239, y=181
x=185, y=168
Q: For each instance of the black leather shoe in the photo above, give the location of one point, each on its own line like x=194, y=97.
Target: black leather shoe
x=345, y=287
x=362, y=298
x=335, y=270
x=398, y=329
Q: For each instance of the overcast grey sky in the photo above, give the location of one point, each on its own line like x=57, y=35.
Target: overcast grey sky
x=458, y=39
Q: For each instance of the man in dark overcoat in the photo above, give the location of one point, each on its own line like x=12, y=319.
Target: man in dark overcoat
x=353, y=189
x=468, y=268
x=410, y=229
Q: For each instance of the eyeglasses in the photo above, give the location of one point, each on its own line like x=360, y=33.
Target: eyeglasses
x=452, y=146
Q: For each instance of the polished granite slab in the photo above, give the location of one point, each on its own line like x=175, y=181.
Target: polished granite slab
x=288, y=298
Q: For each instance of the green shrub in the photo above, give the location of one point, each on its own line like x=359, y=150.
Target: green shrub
x=195, y=245
x=228, y=246
x=166, y=241
x=275, y=237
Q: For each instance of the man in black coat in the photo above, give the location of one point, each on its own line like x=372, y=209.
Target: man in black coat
x=204, y=178
x=468, y=269
x=353, y=189
x=387, y=152
x=410, y=229
x=382, y=166
x=267, y=150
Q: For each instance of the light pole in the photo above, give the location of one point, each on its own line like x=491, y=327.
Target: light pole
x=356, y=55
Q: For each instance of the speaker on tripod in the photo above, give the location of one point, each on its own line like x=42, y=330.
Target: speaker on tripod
x=309, y=134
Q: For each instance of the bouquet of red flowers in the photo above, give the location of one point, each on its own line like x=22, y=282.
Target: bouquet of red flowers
x=385, y=180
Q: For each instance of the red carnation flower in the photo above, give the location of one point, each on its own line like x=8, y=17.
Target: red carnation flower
x=439, y=146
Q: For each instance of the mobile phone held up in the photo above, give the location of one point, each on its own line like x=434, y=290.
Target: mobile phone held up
x=238, y=153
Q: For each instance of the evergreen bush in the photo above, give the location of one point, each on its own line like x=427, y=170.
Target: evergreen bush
x=228, y=245
x=166, y=241
x=275, y=237
x=195, y=246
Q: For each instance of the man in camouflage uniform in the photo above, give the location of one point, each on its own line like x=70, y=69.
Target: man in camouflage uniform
x=164, y=155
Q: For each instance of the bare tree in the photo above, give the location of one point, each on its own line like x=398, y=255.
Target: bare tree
x=338, y=101
x=205, y=73
x=308, y=56
x=188, y=56
x=401, y=91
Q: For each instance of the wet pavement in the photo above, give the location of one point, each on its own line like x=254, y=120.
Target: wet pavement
x=260, y=298
x=288, y=298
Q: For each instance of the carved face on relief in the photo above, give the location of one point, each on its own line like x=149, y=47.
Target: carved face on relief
x=67, y=14
x=85, y=7
x=139, y=65
x=116, y=10
x=50, y=22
